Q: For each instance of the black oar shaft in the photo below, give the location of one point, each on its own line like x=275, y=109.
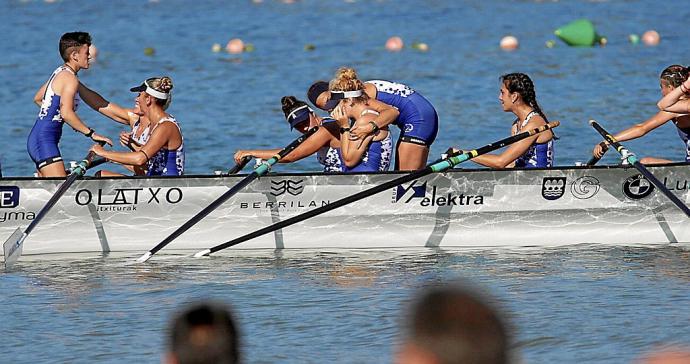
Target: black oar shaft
x=239, y=166
x=323, y=209
x=641, y=168
x=262, y=169
x=432, y=168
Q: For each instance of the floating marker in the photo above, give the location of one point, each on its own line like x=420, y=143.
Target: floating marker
x=394, y=44
x=578, y=33
x=149, y=51
x=509, y=43
x=651, y=38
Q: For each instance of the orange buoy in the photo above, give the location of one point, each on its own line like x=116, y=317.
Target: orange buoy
x=394, y=44
x=651, y=38
x=235, y=46
x=509, y=43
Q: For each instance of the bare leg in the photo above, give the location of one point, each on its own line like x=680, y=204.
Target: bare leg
x=56, y=169
x=652, y=160
x=104, y=173
x=411, y=157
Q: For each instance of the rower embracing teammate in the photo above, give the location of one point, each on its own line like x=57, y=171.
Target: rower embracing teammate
x=58, y=99
x=673, y=106
x=163, y=153
x=416, y=118
x=517, y=95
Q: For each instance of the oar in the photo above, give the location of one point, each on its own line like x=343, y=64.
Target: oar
x=12, y=248
x=431, y=168
x=260, y=170
x=239, y=166
x=632, y=159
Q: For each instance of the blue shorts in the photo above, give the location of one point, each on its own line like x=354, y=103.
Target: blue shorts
x=42, y=145
x=418, y=121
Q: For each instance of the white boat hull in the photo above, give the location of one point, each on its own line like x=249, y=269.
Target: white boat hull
x=473, y=208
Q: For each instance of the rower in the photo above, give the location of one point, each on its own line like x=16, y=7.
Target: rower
x=58, y=99
x=517, y=95
x=325, y=142
x=163, y=153
x=417, y=118
x=352, y=109
x=674, y=107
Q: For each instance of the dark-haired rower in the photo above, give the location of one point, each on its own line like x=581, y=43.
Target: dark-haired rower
x=58, y=99
x=325, y=142
x=517, y=95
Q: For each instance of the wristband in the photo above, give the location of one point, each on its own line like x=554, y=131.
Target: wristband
x=376, y=127
x=344, y=130
x=146, y=155
x=90, y=133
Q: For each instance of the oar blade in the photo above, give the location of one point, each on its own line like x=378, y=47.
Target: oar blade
x=12, y=248
x=146, y=256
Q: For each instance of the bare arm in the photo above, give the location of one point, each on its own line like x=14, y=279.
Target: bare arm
x=674, y=101
x=310, y=146
x=160, y=137
x=638, y=130
x=103, y=106
x=514, y=151
x=387, y=114
x=38, y=98
x=66, y=86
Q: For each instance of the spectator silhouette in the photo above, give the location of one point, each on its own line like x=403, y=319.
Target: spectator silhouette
x=203, y=333
x=451, y=324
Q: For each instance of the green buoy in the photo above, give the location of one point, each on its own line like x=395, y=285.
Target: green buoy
x=578, y=33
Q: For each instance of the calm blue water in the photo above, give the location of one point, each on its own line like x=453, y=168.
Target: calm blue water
x=585, y=304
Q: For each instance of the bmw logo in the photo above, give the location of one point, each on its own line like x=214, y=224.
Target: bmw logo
x=637, y=187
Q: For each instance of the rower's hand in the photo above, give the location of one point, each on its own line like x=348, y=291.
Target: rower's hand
x=360, y=131
x=100, y=138
x=240, y=154
x=600, y=149
x=340, y=115
x=125, y=138
x=97, y=148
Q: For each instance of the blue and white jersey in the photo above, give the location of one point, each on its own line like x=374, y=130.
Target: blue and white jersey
x=418, y=120
x=144, y=136
x=684, y=134
x=538, y=155
x=43, y=140
x=50, y=104
x=377, y=157
x=167, y=162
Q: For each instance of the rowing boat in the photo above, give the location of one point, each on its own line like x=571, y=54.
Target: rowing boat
x=457, y=208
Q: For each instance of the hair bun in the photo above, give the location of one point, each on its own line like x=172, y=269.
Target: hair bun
x=166, y=84
x=290, y=103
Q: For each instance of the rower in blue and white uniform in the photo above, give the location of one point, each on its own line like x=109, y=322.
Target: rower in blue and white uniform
x=163, y=152
x=517, y=95
x=377, y=156
x=325, y=142
x=417, y=118
x=58, y=99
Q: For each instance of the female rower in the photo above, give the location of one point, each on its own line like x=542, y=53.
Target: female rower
x=416, y=118
x=517, y=95
x=58, y=99
x=163, y=152
x=674, y=107
x=325, y=142
x=352, y=110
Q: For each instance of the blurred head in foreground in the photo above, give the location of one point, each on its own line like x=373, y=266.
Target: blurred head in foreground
x=203, y=333
x=453, y=324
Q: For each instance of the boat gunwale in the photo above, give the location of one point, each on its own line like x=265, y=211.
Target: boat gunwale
x=321, y=173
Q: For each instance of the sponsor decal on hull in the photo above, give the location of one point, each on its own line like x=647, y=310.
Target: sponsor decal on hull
x=9, y=197
x=290, y=190
x=418, y=194
x=637, y=187
x=128, y=199
x=585, y=187
x=553, y=188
